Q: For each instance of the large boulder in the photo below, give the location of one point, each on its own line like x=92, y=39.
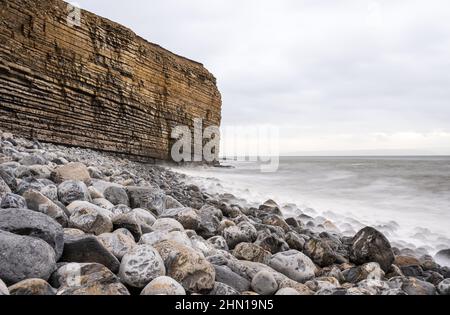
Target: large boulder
x=225, y=275
x=251, y=252
x=293, y=264
x=369, y=245
x=188, y=217
x=159, y=236
x=118, y=243
x=264, y=283
x=34, y=224
x=167, y=225
x=163, y=286
x=370, y=271
x=32, y=287
x=70, y=191
x=443, y=257
x=73, y=171
x=24, y=257
x=444, y=287
x=40, y=203
x=189, y=268
x=88, y=249
x=412, y=286
x=87, y=279
x=141, y=265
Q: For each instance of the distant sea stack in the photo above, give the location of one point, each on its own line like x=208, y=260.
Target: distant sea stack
x=96, y=84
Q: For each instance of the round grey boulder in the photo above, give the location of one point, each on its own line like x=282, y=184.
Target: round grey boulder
x=11, y=201
x=444, y=287
x=116, y=195
x=141, y=265
x=264, y=283
x=163, y=286
x=293, y=264
x=70, y=191
x=24, y=257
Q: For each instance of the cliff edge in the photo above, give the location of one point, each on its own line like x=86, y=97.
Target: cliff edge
x=96, y=85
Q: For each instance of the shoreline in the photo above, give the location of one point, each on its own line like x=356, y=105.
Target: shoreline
x=117, y=212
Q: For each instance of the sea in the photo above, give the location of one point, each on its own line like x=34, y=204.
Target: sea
x=407, y=198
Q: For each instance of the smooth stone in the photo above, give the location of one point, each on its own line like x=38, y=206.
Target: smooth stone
x=149, y=198
x=218, y=242
x=120, y=209
x=87, y=279
x=24, y=257
x=95, y=193
x=251, y=252
x=34, y=224
x=172, y=203
x=141, y=265
x=36, y=201
x=4, y=188
x=119, y=244
x=70, y=191
x=276, y=220
x=369, y=245
x=74, y=171
x=443, y=257
x=320, y=252
x=210, y=218
x=370, y=271
x=225, y=275
x=271, y=242
x=50, y=191
x=131, y=222
x=90, y=218
x=68, y=232
x=88, y=249
x=7, y=181
x=163, y=286
x=235, y=235
x=287, y=291
x=295, y=241
x=13, y=201
x=160, y=236
x=145, y=216
x=167, y=225
x=412, y=286
x=103, y=203
x=116, y=195
x=32, y=287
x=34, y=159
x=293, y=264
x=187, y=217
x=264, y=283
x=189, y=268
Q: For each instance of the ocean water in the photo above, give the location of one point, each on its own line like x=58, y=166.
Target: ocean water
x=407, y=198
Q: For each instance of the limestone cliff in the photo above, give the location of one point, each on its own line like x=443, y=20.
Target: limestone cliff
x=97, y=85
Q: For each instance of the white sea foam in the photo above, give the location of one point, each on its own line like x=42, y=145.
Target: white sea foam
x=406, y=198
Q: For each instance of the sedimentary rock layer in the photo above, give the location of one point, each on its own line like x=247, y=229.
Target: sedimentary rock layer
x=97, y=85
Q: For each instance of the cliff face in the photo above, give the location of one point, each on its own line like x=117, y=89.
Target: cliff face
x=97, y=85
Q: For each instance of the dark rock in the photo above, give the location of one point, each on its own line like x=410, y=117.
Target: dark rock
x=4, y=188
x=88, y=249
x=29, y=223
x=11, y=201
x=116, y=195
x=444, y=287
x=131, y=222
x=7, y=175
x=369, y=245
x=24, y=257
x=412, y=271
x=70, y=191
x=225, y=275
x=320, y=252
x=147, y=198
x=210, y=218
x=271, y=242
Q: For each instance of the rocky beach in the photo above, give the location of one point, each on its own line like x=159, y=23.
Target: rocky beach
x=81, y=222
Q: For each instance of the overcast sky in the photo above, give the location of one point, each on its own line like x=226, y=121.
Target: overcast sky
x=348, y=76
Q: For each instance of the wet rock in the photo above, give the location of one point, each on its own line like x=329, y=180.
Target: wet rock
x=443, y=257
x=131, y=221
x=251, y=252
x=444, y=287
x=188, y=217
x=294, y=265
x=412, y=286
x=10, y=201
x=88, y=249
x=87, y=279
x=270, y=207
x=210, y=218
x=146, y=198
x=40, y=203
x=271, y=242
x=276, y=220
x=172, y=203
x=116, y=195
x=24, y=257
x=117, y=243
x=369, y=245
x=189, y=268
x=163, y=286
x=371, y=271
x=72, y=172
x=264, y=283
x=412, y=271
x=295, y=241
x=72, y=232
x=70, y=191
x=320, y=252
x=90, y=218
x=29, y=223
x=402, y=261
x=32, y=287
x=225, y=275
x=141, y=265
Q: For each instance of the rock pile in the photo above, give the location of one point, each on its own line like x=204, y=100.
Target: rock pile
x=79, y=222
